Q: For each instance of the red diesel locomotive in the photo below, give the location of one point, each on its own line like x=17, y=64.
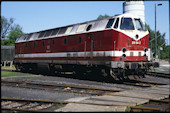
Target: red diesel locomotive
x=115, y=46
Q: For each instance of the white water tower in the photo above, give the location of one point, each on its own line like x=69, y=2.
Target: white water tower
x=136, y=8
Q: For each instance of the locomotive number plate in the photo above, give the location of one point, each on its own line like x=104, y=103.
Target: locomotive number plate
x=136, y=42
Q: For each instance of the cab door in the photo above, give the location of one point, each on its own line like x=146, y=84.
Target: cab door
x=48, y=46
x=89, y=45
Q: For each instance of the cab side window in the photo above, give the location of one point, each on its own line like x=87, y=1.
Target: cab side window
x=139, y=25
x=116, y=24
x=110, y=23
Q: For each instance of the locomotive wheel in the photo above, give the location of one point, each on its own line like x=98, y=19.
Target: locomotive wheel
x=121, y=74
x=134, y=76
x=17, y=68
x=24, y=68
x=113, y=74
x=124, y=75
x=104, y=73
x=52, y=70
x=79, y=72
x=139, y=73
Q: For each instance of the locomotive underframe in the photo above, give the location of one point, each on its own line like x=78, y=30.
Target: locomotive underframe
x=107, y=69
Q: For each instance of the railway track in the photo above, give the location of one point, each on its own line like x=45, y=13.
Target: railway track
x=64, y=88
x=74, y=88
x=77, y=89
x=30, y=105
x=153, y=106
x=142, y=83
x=156, y=74
x=61, y=87
x=137, y=83
x=143, y=109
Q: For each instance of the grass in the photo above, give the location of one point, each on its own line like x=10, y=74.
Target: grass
x=16, y=74
x=127, y=109
x=61, y=105
x=9, y=74
x=12, y=97
x=140, y=105
x=8, y=67
x=16, y=98
x=4, y=97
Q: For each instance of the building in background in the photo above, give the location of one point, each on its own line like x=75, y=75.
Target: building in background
x=7, y=55
x=136, y=8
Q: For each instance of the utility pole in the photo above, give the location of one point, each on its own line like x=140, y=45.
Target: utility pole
x=155, y=32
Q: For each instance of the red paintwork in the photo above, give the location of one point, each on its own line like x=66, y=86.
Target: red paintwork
x=103, y=41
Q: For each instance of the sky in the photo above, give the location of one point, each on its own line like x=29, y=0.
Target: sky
x=41, y=15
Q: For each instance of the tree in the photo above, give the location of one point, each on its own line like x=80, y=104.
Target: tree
x=15, y=32
x=160, y=43
x=5, y=26
x=102, y=16
x=9, y=31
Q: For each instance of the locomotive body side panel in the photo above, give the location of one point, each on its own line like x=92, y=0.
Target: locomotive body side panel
x=106, y=45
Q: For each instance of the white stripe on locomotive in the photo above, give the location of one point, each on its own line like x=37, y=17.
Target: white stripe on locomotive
x=82, y=54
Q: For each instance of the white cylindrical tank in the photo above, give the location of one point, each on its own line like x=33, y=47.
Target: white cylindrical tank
x=136, y=8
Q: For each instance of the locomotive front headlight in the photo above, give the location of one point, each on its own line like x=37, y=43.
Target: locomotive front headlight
x=137, y=36
x=144, y=56
x=124, y=50
x=123, y=56
x=145, y=49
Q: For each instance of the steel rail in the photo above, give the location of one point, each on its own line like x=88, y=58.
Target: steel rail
x=91, y=93
x=24, y=110
x=132, y=108
x=124, y=82
x=160, y=101
x=143, y=109
x=163, y=75
x=56, y=102
x=145, y=84
x=134, y=84
x=80, y=87
x=149, y=82
x=79, y=92
x=61, y=85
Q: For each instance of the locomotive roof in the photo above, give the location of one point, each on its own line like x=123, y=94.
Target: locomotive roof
x=84, y=27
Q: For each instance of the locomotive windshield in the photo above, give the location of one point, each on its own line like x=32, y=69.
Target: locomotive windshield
x=139, y=25
x=127, y=24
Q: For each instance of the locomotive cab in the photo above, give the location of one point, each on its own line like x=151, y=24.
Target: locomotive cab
x=131, y=46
